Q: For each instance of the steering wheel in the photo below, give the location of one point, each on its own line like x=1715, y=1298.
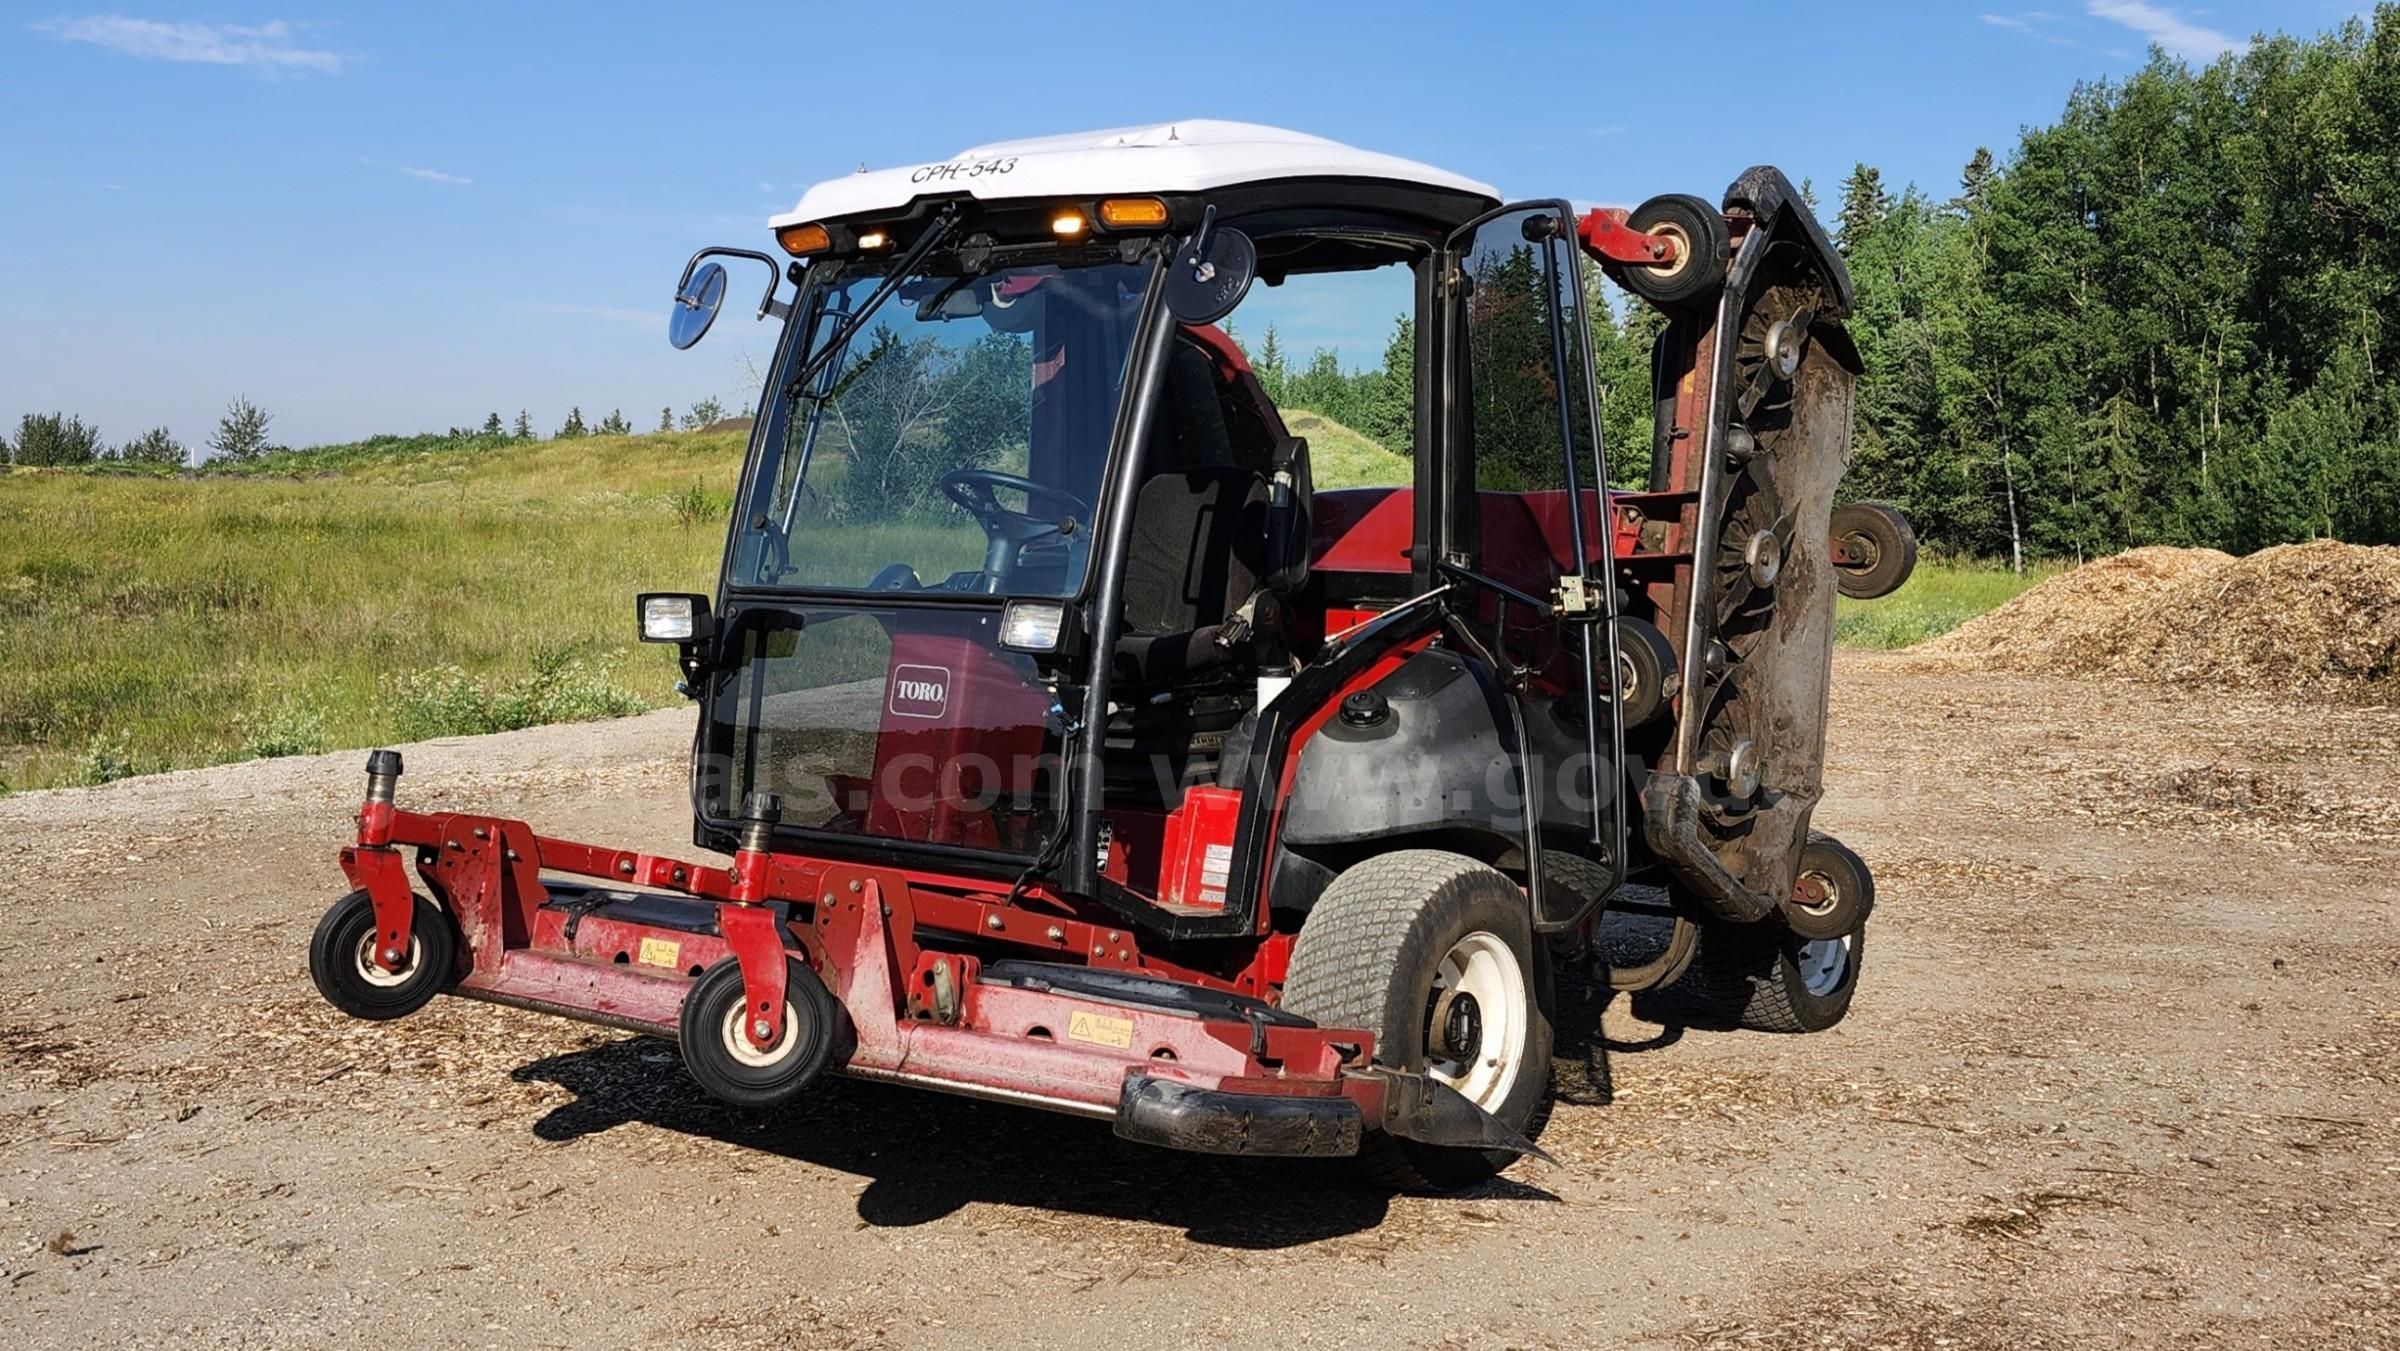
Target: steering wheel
x=1008, y=530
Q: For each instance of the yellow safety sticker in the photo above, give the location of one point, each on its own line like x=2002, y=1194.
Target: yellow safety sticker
x=658, y=952
x=1100, y=1030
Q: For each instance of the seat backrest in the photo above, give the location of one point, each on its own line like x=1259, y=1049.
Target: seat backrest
x=1198, y=537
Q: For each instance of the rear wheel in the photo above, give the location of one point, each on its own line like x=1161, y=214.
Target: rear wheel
x=341, y=960
x=1433, y=953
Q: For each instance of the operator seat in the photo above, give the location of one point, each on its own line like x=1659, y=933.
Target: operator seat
x=1199, y=541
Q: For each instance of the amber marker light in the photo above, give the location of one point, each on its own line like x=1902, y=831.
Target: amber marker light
x=803, y=240
x=1132, y=213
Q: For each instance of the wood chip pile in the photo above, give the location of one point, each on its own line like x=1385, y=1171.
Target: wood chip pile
x=2322, y=616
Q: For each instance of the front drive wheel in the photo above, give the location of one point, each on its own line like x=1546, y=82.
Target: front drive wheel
x=341, y=960
x=1433, y=953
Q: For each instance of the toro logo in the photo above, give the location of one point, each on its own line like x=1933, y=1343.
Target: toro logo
x=920, y=691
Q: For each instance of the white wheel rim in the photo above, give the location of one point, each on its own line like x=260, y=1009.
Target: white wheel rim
x=1485, y=971
x=368, y=971
x=1831, y=888
x=1683, y=250
x=1824, y=964
x=737, y=1041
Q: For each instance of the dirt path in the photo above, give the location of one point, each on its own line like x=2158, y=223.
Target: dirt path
x=2125, y=1071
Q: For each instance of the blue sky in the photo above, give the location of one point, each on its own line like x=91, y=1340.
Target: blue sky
x=402, y=217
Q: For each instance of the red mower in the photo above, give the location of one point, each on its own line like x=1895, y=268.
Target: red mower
x=1073, y=748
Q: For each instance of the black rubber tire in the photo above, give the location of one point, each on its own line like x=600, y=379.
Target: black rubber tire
x=1646, y=671
x=333, y=959
x=1707, y=250
x=1890, y=543
x=812, y=1026
x=1849, y=887
x=1748, y=976
x=1367, y=957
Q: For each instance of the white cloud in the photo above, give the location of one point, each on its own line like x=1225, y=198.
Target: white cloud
x=2163, y=26
x=266, y=46
x=437, y=176
x=2033, y=23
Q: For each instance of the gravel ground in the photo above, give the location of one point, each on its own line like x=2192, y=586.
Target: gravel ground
x=2125, y=1070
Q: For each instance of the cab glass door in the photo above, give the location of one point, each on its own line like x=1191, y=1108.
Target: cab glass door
x=1530, y=526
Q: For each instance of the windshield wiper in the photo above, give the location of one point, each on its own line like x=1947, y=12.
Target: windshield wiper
x=940, y=230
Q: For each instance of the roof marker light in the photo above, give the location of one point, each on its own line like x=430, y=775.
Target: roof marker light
x=873, y=239
x=1069, y=224
x=1122, y=213
x=803, y=240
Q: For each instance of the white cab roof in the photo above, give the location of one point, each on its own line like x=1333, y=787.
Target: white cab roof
x=1168, y=158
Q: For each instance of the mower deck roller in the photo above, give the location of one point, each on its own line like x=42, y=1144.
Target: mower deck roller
x=1253, y=818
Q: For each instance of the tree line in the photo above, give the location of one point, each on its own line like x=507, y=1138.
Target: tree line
x=51, y=440
x=2158, y=320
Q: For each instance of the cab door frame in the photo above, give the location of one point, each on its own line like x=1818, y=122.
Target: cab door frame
x=1582, y=600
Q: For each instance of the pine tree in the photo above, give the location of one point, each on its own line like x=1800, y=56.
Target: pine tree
x=573, y=426
x=55, y=439
x=155, y=446
x=241, y=434
x=614, y=424
x=523, y=431
x=1388, y=395
x=491, y=425
x=704, y=414
x=1268, y=366
x=666, y=419
x=1864, y=205
x=1975, y=181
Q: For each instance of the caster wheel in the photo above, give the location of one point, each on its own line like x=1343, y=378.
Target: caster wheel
x=1876, y=549
x=717, y=1049
x=1646, y=675
x=1702, y=247
x=1832, y=895
x=341, y=960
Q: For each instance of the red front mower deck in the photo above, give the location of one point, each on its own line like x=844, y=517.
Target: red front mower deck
x=676, y=949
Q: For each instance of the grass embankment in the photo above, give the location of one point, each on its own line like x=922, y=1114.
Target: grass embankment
x=157, y=622
x=1938, y=597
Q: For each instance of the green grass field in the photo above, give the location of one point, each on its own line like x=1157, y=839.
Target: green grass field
x=157, y=622
x=1938, y=597
x=414, y=588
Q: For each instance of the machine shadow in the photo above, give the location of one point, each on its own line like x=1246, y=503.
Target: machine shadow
x=927, y=1155
x=1583, y=1073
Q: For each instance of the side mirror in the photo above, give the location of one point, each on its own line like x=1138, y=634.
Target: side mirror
x=696, y=304
x=675, y=617
x=701, y=294
x=1211, y=273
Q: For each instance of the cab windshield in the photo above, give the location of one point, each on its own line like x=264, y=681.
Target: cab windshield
x=956, y=444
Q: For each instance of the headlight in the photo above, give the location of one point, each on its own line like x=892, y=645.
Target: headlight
x=1032, y=625
x=674, y=618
